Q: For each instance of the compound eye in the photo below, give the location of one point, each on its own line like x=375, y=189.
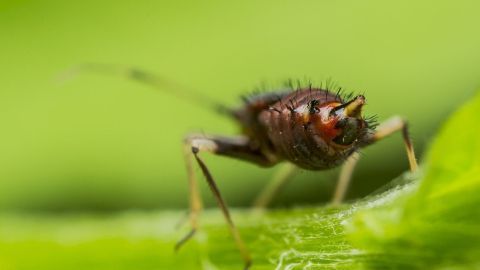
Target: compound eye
x=349, y=128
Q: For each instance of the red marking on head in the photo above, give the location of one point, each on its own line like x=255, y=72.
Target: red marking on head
x=325, y=124
x=327, y=129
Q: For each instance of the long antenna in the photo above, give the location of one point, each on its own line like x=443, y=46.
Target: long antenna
x=150, y=79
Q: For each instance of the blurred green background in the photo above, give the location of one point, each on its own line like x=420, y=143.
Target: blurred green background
x=100, y=143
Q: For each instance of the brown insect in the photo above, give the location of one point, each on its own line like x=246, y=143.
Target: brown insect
x=308, y=127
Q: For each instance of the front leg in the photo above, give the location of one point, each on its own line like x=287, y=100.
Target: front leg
x=388, y=127
x=237, y=147
x=392, y=125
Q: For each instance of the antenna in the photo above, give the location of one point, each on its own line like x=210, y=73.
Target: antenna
x=147, y=78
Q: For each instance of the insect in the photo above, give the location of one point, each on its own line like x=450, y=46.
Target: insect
x=312, y=128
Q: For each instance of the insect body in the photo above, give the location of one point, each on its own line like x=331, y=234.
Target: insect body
x=310, y=128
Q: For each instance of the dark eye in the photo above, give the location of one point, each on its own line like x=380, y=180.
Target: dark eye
x=349, y=128
x=312, y=106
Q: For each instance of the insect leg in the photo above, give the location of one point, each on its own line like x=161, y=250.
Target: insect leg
x=237, y=147
x=279, y=180
x=344, y=178
x=388, y=127
x=392, y=125
x=194, y=194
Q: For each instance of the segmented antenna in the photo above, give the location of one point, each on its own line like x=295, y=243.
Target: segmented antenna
x=150, y=79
